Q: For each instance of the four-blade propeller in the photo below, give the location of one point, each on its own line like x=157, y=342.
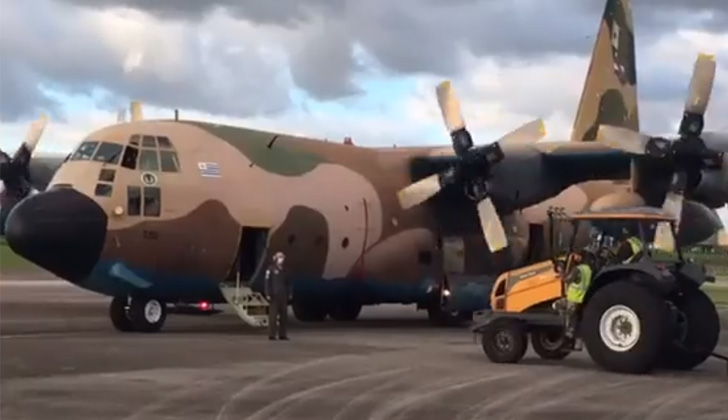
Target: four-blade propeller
x=687, y=154
x=473, y=168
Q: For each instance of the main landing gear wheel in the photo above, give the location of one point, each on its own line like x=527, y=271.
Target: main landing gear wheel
x=439, y=317
x=550, y=343
x=624, y=327
x=345, y=311
x=308, y=312
x=141, y=314
x=505, y=341
x=695, y=334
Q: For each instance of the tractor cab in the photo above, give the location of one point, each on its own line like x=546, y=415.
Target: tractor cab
x=602, y=232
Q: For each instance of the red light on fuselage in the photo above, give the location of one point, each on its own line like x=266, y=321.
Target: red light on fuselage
x=204, y=305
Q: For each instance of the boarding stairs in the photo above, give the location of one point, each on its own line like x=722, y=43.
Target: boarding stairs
x=251, y=306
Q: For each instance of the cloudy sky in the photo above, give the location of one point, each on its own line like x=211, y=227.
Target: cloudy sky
x=333, y=68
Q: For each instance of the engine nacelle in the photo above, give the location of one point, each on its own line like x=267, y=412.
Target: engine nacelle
x=712, y=189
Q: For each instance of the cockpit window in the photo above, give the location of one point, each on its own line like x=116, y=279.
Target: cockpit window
x=85, y=151
x=134, y=200
x=169, y=161
x=164, y=142
x=152, y=201
x=148, y=160
x=149, y=141
x=108, y=153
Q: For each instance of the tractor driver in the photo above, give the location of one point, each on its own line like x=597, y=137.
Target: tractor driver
x=630, y=247
x=578, y=280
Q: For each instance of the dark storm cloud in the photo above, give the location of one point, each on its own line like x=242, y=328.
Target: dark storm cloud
x=403, y=36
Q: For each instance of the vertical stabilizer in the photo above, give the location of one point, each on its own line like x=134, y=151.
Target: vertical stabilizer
x=610, y=88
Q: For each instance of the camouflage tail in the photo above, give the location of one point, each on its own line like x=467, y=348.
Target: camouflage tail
x=610, y=88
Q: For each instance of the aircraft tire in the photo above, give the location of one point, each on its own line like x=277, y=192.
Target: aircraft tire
x=549, y=343
x=697, y=331
x=504, y=341
x=307, y=312
x=147, y=314
x=624, y=327
x=448, y=319
x=119, y=314
x=345, y=311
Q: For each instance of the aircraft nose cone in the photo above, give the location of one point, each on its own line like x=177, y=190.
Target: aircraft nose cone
x=60, y=230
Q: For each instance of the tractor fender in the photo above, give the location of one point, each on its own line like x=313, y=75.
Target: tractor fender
x=647, y=275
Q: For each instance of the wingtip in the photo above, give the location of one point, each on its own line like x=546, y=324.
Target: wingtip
x=542, y=128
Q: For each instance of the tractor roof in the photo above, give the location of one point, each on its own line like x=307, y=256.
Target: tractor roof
x=625, y=213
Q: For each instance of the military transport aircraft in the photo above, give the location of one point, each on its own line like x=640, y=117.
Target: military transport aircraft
x=165, y=211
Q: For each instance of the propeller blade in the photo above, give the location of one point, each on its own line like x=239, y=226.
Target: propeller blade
x=121, y=116
x=449, y=107
x=674, y=198
x=701, y=84
x=35, y=132
x=623, y=139
x=419, y=191
x=136, y=111
x=664, y=239
x=530, y=132
x=492, y=227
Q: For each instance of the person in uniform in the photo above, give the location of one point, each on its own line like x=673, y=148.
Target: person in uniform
x=577, y=280
x=277, y=291
x=631, y=247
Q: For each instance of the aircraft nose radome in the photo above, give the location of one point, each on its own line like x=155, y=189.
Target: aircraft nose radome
x=60, y=230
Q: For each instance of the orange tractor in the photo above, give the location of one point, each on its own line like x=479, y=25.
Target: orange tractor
x=634, y=317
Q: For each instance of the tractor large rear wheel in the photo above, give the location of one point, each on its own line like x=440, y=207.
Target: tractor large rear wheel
x=696, y=331
x=624, y=327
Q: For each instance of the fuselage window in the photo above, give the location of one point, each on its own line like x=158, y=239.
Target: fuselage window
x=85, y=150
x=148, y=160
x=164, y=142
x=169, y=161
x=107, y=175
x=149, y=141
x=134, y=140
x=152, y=201
x=133, y=200
x=130, y=157
x=108, y=153
x=103, y=190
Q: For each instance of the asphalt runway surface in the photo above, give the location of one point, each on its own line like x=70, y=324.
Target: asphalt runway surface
x=61, y=359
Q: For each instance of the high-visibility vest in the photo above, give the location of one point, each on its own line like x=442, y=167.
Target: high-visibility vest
x=577, y=290
x=636, y=244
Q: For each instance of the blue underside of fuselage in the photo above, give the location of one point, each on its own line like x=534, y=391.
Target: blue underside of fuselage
x=113, y=278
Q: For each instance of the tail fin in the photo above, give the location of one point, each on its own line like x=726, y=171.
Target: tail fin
x=610, y=89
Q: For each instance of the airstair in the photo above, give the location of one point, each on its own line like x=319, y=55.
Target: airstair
x=251, y=306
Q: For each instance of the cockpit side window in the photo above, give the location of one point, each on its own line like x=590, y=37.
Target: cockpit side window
x=134, y=140
x=108, y=153
x=85, y=151
x=129, y=160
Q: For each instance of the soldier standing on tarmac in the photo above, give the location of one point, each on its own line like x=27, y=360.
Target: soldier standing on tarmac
x=277, y=291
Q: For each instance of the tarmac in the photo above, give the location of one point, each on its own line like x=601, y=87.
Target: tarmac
x=61, y=359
